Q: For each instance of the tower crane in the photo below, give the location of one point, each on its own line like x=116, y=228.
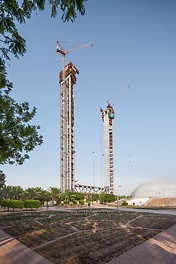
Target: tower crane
x=67, y=120
x=63, y=52
x=60, y=50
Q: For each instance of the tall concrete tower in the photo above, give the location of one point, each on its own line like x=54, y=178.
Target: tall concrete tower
x=67, y=150
x=108, y=117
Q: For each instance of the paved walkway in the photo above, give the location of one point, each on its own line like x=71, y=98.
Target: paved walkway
x=151, y=211
x=161, y=249
x=14, y=252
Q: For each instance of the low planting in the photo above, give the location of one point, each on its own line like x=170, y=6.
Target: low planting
x=18, y=204
x=124, y=203
x=32, y=204
x=12, y=204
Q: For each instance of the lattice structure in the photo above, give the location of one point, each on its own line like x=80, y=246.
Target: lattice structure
x=67, y=151
x=108, y=117
x=83, y=188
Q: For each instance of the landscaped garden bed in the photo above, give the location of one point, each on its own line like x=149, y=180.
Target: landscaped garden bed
x=80, y=236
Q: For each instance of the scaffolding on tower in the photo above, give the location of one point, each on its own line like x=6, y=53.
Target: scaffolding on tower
x=67, y=80
x=108, y=116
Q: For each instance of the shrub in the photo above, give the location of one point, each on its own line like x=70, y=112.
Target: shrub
x=124, y=203
x=81, y=202
x=32, y=204
x=95, y=197
x=78, y=196
x=107, y=198
x=12, y=204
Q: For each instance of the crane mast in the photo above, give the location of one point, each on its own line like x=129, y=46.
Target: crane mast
x=67, y=150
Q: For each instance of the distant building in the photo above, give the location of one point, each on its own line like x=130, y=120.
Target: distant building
x=152, y=189
x=67, y=150
x=108, y=118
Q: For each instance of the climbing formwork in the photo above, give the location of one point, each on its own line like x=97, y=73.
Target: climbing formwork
x=108, y=117
x=67, y=151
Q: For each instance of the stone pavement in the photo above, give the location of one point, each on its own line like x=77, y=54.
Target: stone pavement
x=161, y=249
x=14, y=252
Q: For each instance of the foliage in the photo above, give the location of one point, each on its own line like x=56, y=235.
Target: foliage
x=92, y=197
x=20, y=204
x=81, y=202
x=124, y=203
x=2, y=179
x=68, y=197
x=32, y=204
x=17, y=136
x=79, y=196
x=16, y=192
x=95, y=197
x=123, y=196
x=12, y=204
x=11, y=192
x=46, y=197
x=33, y=193
x=107, y=198
x=6, y=192
x=17, y=12
x=54, y=194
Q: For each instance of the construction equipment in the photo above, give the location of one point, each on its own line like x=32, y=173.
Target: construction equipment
x=67, y=153
x=63, y=52
x=107, y=117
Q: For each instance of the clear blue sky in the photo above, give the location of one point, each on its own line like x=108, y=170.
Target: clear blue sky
x=134, y=45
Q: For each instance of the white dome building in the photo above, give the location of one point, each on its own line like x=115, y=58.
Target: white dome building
x=157, y=188
x=152, y=189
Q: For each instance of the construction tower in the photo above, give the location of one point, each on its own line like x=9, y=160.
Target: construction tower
x=67, y=151
x=107, y=117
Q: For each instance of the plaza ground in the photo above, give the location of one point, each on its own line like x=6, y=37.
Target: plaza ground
x=83, y=236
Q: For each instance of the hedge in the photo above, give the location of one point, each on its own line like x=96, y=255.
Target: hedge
x=32, y=204
x=12, y=204
x=18, y=204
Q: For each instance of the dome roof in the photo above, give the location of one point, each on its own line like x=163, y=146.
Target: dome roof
x=157, y=188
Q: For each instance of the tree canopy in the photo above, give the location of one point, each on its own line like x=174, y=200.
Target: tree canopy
x=17, y=136
x=14, y=12
x=2, y=179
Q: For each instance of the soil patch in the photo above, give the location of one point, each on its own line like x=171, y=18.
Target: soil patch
x=83, y=236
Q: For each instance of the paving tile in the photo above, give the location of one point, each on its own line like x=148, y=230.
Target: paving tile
x=161, y=249
x=14, y=252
